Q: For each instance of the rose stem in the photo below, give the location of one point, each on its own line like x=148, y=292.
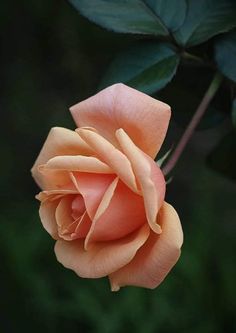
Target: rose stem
x=210, y=93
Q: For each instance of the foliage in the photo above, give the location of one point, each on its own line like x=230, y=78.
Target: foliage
x=165, y=31
x=147, y=66
x=225, y=54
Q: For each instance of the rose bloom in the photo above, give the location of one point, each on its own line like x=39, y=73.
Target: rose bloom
x=102, y=196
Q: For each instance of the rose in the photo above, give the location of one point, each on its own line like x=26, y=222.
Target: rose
x=102, y=194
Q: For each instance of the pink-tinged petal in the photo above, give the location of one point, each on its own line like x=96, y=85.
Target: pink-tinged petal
x=53, y=194
x=149, y=177
x=63, y=212
x=102, y=258
x=144, y=118
x=77, y=163
x=83, y=226
x=93, y=187
x=54, y=179
x=117, y=217
x=47, y=215
x=68, y=227
x=77, y=207
x=60, y=141
x=101, y=208
x=156, y=257
x=113, y=157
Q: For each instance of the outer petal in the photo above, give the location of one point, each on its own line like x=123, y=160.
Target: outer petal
x=156, y=257
x=123, y=214
x=47, y=215
x=77, y=163
x=60, y=141
x=54, y=179
x=144, y=118
x=149, y=177
x=103, y=258
x=53, y=194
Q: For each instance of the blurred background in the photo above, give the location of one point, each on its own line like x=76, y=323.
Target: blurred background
x=52, y=58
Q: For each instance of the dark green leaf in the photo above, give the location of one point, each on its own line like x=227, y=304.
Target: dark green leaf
x=225, y=54
x=147, y=66
x=223, y=158
x=171, y=12
x=155, y=17
x=205, y=19
x=234, y=113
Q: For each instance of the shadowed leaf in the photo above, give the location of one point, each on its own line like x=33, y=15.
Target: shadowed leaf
x=225, y=54
x=146, y=66
x=155, y=17
x=205, y=19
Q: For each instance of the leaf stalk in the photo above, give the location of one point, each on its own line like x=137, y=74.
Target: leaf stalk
x=210, y=93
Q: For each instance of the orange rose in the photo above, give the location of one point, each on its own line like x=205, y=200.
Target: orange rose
x=102, y=194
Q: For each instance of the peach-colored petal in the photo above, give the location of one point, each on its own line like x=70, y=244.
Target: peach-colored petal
x=144, y=118
x=148, y=175
x=92, y=187
x=101, y=208
x=123, y=214
x=68, y=227
x=53, y=194
x=54, y=179
x=156, y=257
x=77, y=163
x=47, y=215
x=77, y=207
x=60, y=141
x=64, y=217
x=110, y=155
x=102, y=258
x=83, y=227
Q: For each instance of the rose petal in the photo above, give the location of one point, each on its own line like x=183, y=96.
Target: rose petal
x=93, y=187
x=101, y=208
x=77, y=163
x=55, y=179
x=53, y=194
x=69, y=228
x=148, y=175
x=156, y=257
x=83, y=226
x=144, y=118
x=60, y=141
x=123, y=213
x=47, y=215
x=111, y=156
x=77, y=207
x=102, y=258
x=64, y=211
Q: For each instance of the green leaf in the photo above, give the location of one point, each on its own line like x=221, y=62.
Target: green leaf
x=223, y=158
x=205, y=19
x=146, y=66
x=171, y=12
x=233, y=113
x=225, y=54
x=155, y=17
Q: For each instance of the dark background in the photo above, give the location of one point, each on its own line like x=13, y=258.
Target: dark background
x=52, y=58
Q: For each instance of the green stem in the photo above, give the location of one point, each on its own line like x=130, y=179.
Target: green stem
x=210, y=93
